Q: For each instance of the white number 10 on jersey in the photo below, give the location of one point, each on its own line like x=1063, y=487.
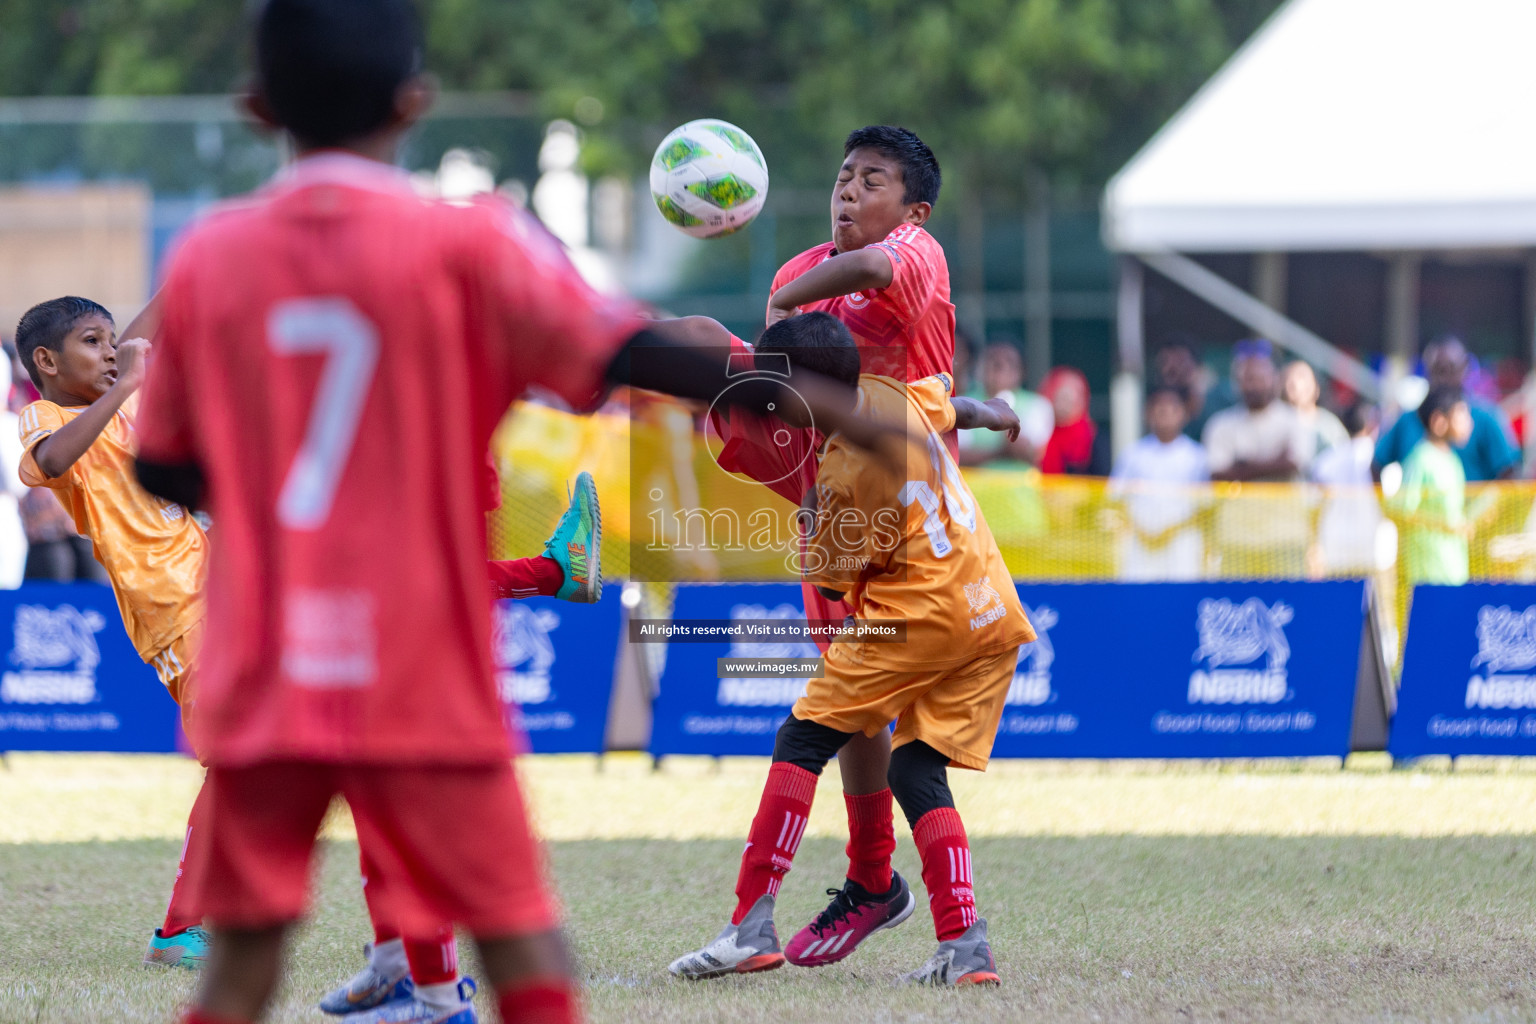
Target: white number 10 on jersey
x=350, y=343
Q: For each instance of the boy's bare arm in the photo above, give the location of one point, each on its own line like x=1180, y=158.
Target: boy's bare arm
x=843, y=274
x=61, y=449
x=147, y=323
x=993, y=414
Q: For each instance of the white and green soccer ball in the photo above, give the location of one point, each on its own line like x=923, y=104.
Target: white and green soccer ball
x=709, y=178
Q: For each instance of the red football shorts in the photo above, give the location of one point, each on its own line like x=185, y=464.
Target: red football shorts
x=447, y=843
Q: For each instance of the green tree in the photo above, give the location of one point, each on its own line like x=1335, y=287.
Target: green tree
x=998, y=87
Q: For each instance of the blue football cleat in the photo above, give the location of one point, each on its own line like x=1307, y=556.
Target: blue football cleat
x=367, y=989
x=414, y=1011
x=184, y=949
x=577, y=543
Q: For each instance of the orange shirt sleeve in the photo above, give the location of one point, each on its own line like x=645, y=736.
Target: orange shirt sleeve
x=36, y=422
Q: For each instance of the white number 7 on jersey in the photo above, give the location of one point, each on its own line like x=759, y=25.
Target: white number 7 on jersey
x=333, y=326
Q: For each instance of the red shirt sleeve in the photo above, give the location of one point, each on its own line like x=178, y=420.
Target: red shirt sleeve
x=561, y=331
x=916, y=259
x=163, y=423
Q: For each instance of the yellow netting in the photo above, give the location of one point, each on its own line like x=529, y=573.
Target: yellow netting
x=1049, y=528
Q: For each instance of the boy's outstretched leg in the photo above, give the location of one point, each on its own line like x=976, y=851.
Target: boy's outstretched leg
x=873, y=897
x=181, y=941
x=571, y=567
x=242, y=972
x=532, y=978
x=750, y=942
x=920, y=781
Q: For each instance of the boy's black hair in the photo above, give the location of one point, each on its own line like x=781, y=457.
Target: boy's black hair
x=815, y=341
x=329, y=69
x=1166, y=390
x=920, y=176
x=47, y=324
x=1439, y=400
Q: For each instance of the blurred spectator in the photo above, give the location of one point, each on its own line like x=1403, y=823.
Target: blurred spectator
x=1075, y=446
x=1002, y=376
x=1488, y=453
x=1262, y=438
x=1431, y=503
x=1352, y=536
x=1515, y=395
x=1177, y=365
x=1321, y=429
x=965, y=359
x=1259, y=440
x=1155, y=479
x=54, y=550
x=13, y=539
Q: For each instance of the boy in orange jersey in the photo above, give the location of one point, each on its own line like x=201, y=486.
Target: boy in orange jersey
x=80, y=444
x=910, y=547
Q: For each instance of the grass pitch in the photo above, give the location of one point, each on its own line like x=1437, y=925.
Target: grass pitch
x=1115, y=892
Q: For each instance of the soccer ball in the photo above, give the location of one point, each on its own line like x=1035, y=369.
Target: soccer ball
x=709, y=178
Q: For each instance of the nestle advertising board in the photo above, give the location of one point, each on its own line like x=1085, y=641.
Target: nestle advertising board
x=1469, y=672
x=1120, y=670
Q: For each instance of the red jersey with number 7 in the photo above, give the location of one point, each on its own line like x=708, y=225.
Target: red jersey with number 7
x=335, y=354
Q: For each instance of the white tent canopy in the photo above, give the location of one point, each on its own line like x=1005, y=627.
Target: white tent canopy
x=1349, y=125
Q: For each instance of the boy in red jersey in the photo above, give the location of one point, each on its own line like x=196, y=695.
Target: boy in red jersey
x=886, y=279
x=911, y=547
x=334, y=354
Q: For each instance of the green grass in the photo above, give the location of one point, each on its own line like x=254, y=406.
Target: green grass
x=1264, y=891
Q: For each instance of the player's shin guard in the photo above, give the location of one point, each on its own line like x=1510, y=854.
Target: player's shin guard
x=181, y=914
x=776, y=832
x=539, y=1001
x=871, y=839
x=941, y=843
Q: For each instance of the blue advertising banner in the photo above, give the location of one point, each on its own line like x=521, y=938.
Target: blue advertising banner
x=1469, y=672
x=1219, y=669
x=1172, y=670
x=696, y=711
x=555, y=665
x=70, y=678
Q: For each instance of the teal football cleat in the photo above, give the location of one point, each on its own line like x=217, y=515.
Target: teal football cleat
x=577, y=545
x=184, y=949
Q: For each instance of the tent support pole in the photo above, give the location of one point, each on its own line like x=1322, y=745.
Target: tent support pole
x=1278, y=328
x=1125, y=394
x=1402, y=323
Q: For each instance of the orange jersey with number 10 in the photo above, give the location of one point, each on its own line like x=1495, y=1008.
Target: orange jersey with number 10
x=913, y=545
x=153, y=550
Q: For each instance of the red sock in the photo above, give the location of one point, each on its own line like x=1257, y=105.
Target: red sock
x=181, y=913
x=940, y=839
x=383, y=929
x=196, y=1016
x=540, y=1001
x=871, y=839
x=433, y=961
x=775, y=836
x=525, y=577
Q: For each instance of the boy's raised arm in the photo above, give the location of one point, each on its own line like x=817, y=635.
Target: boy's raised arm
x=61, y=449
x=843, y=274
